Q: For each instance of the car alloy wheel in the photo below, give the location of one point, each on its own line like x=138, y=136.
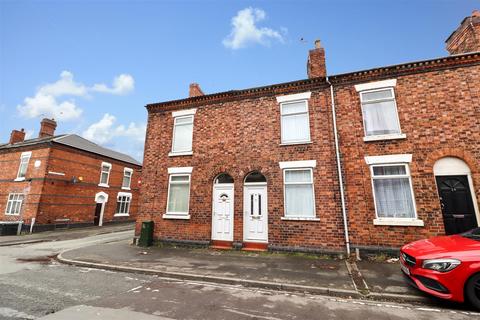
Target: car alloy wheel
x=472, y=291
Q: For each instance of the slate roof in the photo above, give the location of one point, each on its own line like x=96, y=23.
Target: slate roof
x=75, y=141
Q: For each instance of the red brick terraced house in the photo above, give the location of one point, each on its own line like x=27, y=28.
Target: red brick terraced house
x=370, y=159
x=64, y=181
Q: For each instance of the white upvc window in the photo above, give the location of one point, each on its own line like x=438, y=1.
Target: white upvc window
x=298, y=191
x=393, y=191
x=127, y=178
x=14, y=204
x=178, y=196
x=295, y=120
x=182, y=132
x=105, y=174
x=123, y=204
x=379, y=110
x=22, y=169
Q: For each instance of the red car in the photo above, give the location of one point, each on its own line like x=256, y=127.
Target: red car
x=447, y=267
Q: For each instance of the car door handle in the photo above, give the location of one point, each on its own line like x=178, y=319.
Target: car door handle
x=459, y=216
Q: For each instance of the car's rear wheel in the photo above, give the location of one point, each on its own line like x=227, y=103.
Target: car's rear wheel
x=472, y=291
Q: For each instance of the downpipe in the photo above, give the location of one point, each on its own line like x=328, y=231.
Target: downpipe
x=339, y=169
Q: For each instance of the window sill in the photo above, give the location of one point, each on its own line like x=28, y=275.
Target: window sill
x=295, y=143
x=178, y=154
x=124, y=188
x=300, y=218
x=103, y=185
x=398, y=222
x=385, y=137
x=12, y=214
x=121, y=215
x=19, y=179
x=176, y=216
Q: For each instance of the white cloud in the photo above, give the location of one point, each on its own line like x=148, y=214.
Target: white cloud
x=48, y=106
x=65, y=86
x=122, y=84
x=245, y=32
x=127, y=139
x=29, y=134
x=46, y=102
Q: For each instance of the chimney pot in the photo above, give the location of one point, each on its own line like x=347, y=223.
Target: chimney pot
x=47, y=128
x=17, y=136
x=318, y=44
x=195, y=90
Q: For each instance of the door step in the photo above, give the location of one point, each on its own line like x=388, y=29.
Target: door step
x=222, y=245
x=255, y=246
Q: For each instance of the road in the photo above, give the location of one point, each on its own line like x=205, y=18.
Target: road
x=33, y=285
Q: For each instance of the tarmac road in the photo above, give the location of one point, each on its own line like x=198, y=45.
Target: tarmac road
x=33, y=285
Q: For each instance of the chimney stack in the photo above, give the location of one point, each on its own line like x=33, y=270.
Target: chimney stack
x=47, y=128
x=467, y=36
x=316, y=66
x=195, y=90
x=17, y=136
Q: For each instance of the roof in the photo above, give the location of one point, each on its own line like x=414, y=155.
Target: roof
x=75, y=141
x=458, y=60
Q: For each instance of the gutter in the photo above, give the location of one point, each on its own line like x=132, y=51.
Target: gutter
x=339, y=169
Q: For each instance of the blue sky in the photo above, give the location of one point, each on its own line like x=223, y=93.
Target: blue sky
x=94, y=65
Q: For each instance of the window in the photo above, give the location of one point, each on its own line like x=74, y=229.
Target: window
x=14, y=203
x=22, y=169
x=105, y=174
x=380, y=116
x=178, y=194
x=123, y=203
x=299, y=198
x=127, y=178
x=182, y=134
x=295, y=123
x=392, y=191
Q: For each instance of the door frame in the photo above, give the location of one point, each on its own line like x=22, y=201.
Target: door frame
x=102, y=198
x=245, y=187
x=459, y=172
x=230, y=186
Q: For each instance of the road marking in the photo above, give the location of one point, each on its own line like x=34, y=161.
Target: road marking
x=136, y=288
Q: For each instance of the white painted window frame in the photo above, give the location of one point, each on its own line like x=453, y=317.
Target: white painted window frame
x=109, y=165
x=24, y=160
x=374, y=87
x=129, y=171
x=289, y=99
x=128, y=196
x=393, y=160
x=182, y=114
x=17, y=202
x=298, y=165
x=173, y=172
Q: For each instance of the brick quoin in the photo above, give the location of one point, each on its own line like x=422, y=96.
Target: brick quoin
x=237, y=132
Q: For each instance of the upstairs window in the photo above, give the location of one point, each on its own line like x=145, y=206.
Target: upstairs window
x=393, y=192
x=182, y=132
x=22, y=169
x=379, y=109
x=123, y=204
x=14, y=203
x=295, y=122
x=105, y=174
x=127, y=178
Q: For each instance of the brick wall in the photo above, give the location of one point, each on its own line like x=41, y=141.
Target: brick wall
x=439, y=112
x=62, y=198
x=237, y=137
x=31, y=187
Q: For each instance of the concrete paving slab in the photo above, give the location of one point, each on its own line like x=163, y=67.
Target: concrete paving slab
x=289, y=269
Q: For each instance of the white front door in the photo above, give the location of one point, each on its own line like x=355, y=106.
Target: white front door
x=222, y=223
x=255, y=215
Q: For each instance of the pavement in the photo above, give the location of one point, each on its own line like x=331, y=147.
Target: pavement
x=64, y=234
x=305, y=273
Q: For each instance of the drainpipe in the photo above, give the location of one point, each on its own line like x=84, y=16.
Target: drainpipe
x=339, y=169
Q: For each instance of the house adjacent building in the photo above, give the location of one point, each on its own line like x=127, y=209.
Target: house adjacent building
x=370, y=159
x=64, y=181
